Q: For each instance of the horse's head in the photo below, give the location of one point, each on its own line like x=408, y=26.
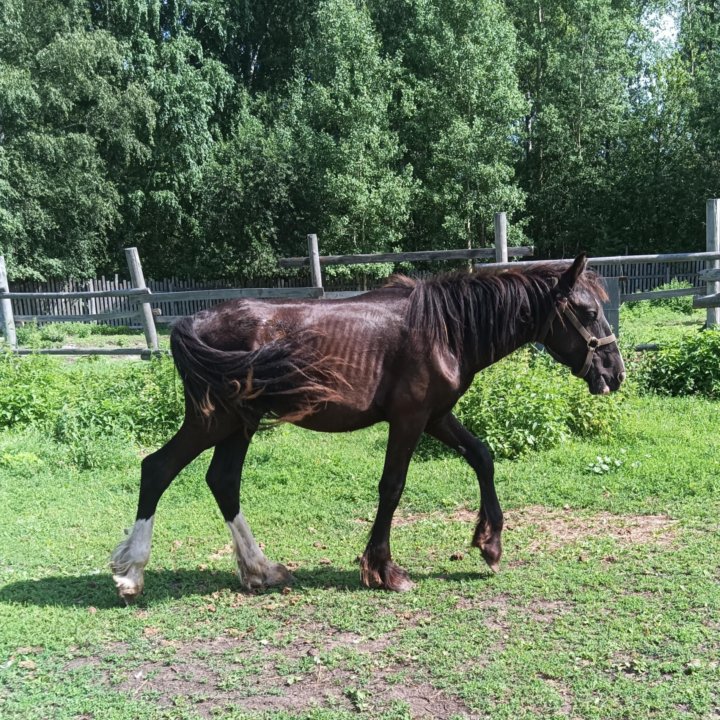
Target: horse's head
x=578, y=335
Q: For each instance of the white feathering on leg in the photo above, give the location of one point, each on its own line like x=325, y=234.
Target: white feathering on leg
x=254, y=569
x=130, y=557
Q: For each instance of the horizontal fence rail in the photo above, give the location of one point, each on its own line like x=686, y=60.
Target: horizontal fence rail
x=418, y=256
x=710, y=275
x=232, y=294
x=708, y=301
x=86, y=295
x=629, y=278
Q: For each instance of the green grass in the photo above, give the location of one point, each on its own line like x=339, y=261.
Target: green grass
x=594, y=627
x=85, y=335
x=607, y=605
x=647, y=322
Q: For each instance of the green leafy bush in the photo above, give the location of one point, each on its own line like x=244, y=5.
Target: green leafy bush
x=524, y=402
x=528, y=401
x=53, y=332
x=91, y=399
x=30, y=391
x=32, y=335
x=690, y=366
x=681, y=304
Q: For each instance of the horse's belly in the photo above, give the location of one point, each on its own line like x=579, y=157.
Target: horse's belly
x=338, y=418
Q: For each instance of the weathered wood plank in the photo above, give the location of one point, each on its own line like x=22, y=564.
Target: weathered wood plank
x=501, y=246
x=343, y=294
x=612, y=260
x=83, y=294
x=6, y=309
x=710, y=275
x=658, y=294
x=612, y=306
x=671, y=257
x=712, y=240
x=314, y=257
x=138, y=280
x=707, y=301
x=116, y=315
x=418, y=256
x=83, y=351
x=231, y=293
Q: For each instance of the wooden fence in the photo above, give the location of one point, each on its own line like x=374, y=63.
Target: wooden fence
x=131, y=302
x=118, y=301
x=711, y=301
x=635, y=277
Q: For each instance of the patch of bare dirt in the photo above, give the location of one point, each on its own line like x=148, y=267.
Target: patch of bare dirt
x=242, y=673
x=563, y=691
x=556, y=528
x=564, y=527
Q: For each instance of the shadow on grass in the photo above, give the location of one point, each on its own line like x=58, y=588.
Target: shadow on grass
x=98, y=591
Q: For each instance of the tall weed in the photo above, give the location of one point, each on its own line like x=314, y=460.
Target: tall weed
x=524, y=402
x=91, y=398
x=690, y=366
x=527, y=402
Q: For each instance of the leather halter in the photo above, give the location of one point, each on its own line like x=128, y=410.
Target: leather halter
x=593, y=343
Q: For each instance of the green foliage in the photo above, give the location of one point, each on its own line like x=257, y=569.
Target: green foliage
x=689, y=366
x=32, y=335
x=604, y=464
x=87, y=403
x=23, y=464
x=607, y=599
x=682, y=305
x=214, y=136
x=528, y=402
x=31, y=391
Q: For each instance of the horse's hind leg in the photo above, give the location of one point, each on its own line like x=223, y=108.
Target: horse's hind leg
x=159, y=469
x=223, y=478
x=488, y=531
x=376, y=566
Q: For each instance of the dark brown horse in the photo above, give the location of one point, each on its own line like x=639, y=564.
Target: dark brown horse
x=402, y=354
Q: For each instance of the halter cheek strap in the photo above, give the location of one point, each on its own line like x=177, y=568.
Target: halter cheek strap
x=593, y=343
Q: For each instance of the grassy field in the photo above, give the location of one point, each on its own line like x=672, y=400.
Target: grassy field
x=607, y=605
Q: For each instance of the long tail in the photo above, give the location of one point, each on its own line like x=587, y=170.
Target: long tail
x=284, y=380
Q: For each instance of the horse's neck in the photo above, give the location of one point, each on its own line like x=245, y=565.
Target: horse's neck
x=509, y=340
x=488, y=357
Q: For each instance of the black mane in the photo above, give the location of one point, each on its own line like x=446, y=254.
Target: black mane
x=507, y=304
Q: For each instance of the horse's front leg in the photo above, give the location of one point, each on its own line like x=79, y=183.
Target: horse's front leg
x=377, y=570
x=488, y=531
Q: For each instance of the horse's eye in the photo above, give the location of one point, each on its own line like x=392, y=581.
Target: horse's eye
x=591, y=315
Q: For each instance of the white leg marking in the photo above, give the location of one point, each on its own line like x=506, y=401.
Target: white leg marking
x=129, y=559
x=254, y=569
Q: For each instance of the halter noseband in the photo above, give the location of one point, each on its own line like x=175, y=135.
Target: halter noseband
x=593, y=343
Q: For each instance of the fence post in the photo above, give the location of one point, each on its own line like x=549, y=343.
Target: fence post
x=138, y=281
x=92, y=302
x=612, y=307
x=501, y=251
x=712, y=231
x=314, y=253
x=6, y=311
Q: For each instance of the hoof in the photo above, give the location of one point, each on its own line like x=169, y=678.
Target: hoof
x=272, y=575
x=388, y=576
x=490, y=546
x=128, y=589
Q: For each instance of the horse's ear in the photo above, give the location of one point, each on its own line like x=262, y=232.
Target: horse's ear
x=569, y=277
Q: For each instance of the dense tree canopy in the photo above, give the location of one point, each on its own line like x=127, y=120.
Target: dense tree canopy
x=215, y=135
